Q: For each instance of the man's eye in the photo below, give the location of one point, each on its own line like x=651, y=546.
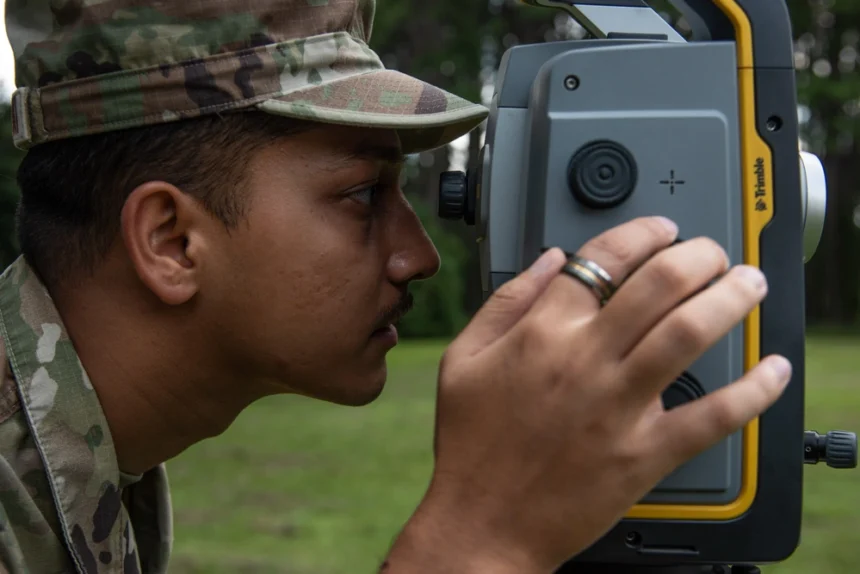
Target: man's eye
x=367, y=195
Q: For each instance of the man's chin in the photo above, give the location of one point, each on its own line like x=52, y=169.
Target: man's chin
x=360, y=399
x=353, y=391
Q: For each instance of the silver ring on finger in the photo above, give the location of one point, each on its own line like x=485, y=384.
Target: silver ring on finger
x=592, y=276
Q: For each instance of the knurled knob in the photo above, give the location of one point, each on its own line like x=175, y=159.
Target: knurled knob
x=841, y=449
x=453, y=187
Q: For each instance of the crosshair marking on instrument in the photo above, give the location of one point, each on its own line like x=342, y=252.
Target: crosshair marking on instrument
x=672, y=182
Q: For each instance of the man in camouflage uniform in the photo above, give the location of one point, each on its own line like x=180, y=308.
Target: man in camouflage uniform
x=92, y=67
x=210, y=214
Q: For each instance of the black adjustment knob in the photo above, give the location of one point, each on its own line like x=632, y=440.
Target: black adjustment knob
x=453, y=194
x=602, y=174
x=841, y=449
x=837, y=448
x=684, y=390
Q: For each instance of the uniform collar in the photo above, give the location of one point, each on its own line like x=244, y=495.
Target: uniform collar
x=65, y=418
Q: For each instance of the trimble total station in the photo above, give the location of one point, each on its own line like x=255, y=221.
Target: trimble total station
x=637, y=119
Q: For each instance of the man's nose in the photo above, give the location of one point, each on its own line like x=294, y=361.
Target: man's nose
x=413, y=254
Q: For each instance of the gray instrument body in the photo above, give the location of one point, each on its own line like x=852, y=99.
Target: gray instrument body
x=674, y=107
x=587, y=134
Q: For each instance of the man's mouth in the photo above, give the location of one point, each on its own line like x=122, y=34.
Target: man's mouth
x=388, y=329
x=394, y=315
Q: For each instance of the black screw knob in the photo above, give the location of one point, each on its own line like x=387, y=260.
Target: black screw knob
x=841, y=449
x=453, y=193
x=602, y=174
x=837, y=448
x=684, y=390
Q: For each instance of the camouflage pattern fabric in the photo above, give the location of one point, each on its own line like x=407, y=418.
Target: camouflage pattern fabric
x=65, y=507
x=90, y=66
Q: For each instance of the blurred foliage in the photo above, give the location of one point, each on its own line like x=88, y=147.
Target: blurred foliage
x=827, y=57
x=448, y=43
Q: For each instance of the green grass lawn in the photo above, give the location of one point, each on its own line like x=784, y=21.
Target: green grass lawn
x=297, y=486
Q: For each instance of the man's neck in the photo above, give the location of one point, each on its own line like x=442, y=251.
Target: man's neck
x=158, y=388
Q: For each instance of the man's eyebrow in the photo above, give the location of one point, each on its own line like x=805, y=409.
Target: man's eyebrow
x=372, y=152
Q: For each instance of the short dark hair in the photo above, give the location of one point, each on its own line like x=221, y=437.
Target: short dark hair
x=73, y=191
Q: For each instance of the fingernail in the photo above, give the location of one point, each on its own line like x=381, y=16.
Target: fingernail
x=545, y=262
x=781, y=367
x=668, y=224
x=753, y=275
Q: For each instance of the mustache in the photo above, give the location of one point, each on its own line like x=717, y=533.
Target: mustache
x=396, y=312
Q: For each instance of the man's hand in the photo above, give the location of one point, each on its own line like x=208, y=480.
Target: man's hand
x=550, y=424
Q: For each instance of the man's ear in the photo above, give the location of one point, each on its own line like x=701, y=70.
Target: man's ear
x=162, y=231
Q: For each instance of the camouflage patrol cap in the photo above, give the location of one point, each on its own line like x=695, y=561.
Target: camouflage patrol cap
x=92, y=66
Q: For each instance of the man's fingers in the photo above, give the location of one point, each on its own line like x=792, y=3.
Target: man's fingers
x=689, y=330
x=692, y=428
x=508, y=304
x=619, y=251
x=657, y=287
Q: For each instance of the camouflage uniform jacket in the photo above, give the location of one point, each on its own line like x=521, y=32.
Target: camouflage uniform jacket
x=65, y=507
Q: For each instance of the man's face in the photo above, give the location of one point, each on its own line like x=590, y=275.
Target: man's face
x=308, y=284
